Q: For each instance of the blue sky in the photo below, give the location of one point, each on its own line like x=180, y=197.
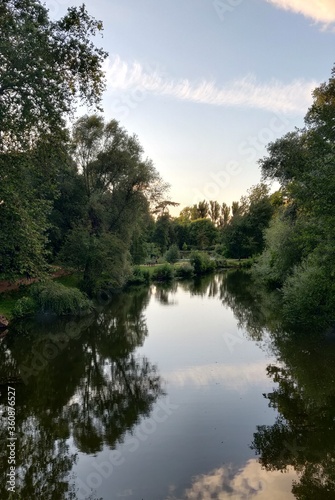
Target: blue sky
x=206, y=84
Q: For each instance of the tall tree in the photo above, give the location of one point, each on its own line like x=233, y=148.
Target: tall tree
x=214, y=211
x=45, y=67
x=121, y=186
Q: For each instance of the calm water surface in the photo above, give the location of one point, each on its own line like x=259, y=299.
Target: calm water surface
x=184, y=392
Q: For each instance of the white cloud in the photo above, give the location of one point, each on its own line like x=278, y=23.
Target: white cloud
x=275, y=96
x=319, y=10
x=250, y=482
x=234, y=377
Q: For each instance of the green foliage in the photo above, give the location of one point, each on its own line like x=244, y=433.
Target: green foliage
x=103, y=259
x=164, y=272
x=184, y=271
x=139, y=277
x=26, y=306
x=23, y=217
x=120, y=185
x=309, y=294
x=282, y=252
x=163, y=233
x=173, y=254
x=52, y=297
x=243, y=236
x=299, y=246
x=201, y=263
x=45, y=66
x=202, y=233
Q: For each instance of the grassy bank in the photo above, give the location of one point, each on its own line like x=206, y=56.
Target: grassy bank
x=141, y=275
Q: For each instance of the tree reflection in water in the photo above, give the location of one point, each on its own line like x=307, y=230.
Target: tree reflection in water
x=93, y=390
x=303, y=435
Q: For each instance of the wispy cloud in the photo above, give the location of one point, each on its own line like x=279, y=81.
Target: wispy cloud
x=234, y=377
x=322, y=11
x=275, y=96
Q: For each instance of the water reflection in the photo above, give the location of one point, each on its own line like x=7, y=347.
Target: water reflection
x=303, y=435
x=252, y=481
x=91, y=388
x=85, y=388
x=302, y=439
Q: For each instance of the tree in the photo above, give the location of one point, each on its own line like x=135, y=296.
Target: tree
x=172, y=255
x=202, y=233
x=243, y=236
x=303, y=162
x=162, y=234
x=29, y=184
x=202, y=209
x=214, y=211
x=235, y=208
x=121, y=185
x=225, y=215
x=45, y=67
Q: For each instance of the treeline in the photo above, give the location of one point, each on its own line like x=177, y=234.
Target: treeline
x=300, y=242
x=88, y=198
x=74, y=197
x=235, y=232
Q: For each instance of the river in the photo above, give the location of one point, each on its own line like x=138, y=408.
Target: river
x=187, y=391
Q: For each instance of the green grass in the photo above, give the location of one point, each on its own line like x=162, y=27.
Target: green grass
x=231, y=263
x=71, y=281
x=9, y=299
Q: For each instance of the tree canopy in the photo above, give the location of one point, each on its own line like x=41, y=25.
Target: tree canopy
x=45, y=68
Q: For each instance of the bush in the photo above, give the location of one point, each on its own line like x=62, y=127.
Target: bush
x=58, y=299
x=309, y=296
x=184, y=271
x=172, y=255
x=201, y=263
x=139, y=277
x=165, y=272
x=26, y=306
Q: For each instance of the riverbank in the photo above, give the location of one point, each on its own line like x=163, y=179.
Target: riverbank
x=10, y=293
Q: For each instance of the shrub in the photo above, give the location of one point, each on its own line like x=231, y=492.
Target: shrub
x=309, y=296
x=165, y=272
x=172, y=255
x=184, y=271
x=58, y=299
x=26, y=306
x=139, y=277
x=201, y=263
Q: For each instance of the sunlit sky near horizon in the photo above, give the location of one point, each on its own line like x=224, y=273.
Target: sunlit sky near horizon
x=206, y=84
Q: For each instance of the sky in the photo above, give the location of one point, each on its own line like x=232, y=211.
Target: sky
x=207, y=84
